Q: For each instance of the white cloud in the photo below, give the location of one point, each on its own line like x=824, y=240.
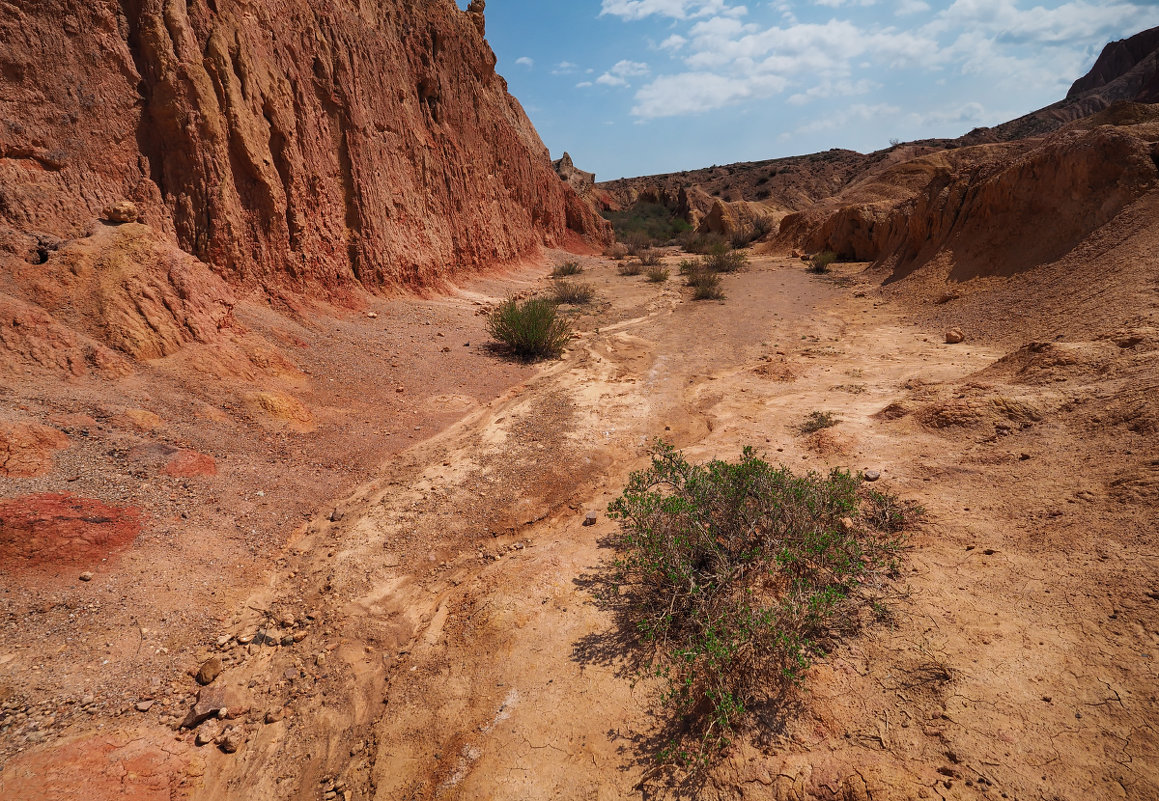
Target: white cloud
x=907, y=7
x=564, y=68
x=673, y=42
x=524, y=61
x=840, y=88
x=583, y=84
x=692, y=92
x=676, y=9
x=619, y=74
x=969, y=114
x=860, y=112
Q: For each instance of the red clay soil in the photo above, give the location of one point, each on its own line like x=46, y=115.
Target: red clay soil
x=49, y=530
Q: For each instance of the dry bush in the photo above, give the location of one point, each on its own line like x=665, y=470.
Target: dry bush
x=574, y=293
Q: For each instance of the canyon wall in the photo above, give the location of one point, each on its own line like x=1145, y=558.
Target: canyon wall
x=291, y=145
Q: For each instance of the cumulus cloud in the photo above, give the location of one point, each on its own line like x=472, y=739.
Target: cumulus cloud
x=619, y=74
x=676, y=9
x=564, y=68
x=524, y=61
x=693, y=92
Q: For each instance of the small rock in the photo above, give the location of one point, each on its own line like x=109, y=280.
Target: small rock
x=86, y=576
x=372, y=315
x=274, y=715
x=124, y=211
x=209, y=670
x=872, y=475
x=847, y=523
x=223, y=640
x=954, y=336
x=299, y=636
x=337, y=515
x=230, y=741
x=145, y=706
x=591, y=518
x=206, y=734
x=287, y=620
x=288, y=639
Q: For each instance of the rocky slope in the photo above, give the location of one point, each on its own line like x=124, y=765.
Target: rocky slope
x=289, y=144
x=1126, y=72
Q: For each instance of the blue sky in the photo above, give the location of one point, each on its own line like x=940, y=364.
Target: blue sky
x=636, y=87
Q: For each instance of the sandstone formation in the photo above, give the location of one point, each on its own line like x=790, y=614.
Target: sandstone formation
x=289, y=144
x=582, y=182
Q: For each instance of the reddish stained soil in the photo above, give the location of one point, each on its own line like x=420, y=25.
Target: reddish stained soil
x=118, y=765
x=47, y=530
x=190, y=464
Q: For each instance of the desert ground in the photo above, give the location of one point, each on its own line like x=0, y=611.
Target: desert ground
x=433, y=626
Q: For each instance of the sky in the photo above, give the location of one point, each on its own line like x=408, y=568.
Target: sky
x=639, y=87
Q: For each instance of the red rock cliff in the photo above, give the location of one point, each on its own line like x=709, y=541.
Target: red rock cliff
x=288, y=143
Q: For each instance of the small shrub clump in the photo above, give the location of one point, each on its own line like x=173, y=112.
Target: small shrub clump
x=566, y=269
x=657, y=275
x=817, y=421
x=574, y=293
x=724, y=260
x=651, y=258
x=531, y=329
x=736, y=576
x=701, y=243
x=630, y=268
x=617, y=252
x=819, y=264
x=705, y=285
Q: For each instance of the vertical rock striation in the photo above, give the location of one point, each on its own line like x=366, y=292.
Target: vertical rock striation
x=290, y=144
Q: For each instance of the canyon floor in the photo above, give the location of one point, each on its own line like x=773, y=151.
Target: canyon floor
x=405, y=599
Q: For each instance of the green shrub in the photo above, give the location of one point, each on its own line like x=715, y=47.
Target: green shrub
x=735, y=576
x=705, y=285
x=819, y=264
x=654, y=221
x=567, y=268
x=817, y=421
x=723, y=260
x=657, y=275
x=701, y=243
x=531, y=329
x=689, y=266
x=574, y=293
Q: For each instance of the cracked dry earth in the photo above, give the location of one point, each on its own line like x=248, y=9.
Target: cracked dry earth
x=435, y=634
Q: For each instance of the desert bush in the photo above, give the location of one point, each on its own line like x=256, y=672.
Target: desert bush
x=762, y=225
x=653, y=220
x=723, y=260
x=657, y=275
x=566, y=269
x=617, y=251
x=630, y=268
x=705, y=285
x=574, y=293
x=817, y=421
x=819, y=264
x=651, y=258
x=736, y=576
x=638, y=242
x=689, y=266
x=531, y=329
x=701, y=243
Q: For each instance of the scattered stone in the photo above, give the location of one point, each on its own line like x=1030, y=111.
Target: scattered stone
x=872, y=475
x=591, y=518
x=230, y=741
x=372, y=315
x=145, y=706
x=206, y=734
x=336, y=515
x=210, y=703
x=224, y=640
x=299, y=636
x=286, y=619
x=123, y=211
x=86, y=576
x=209, y=670
x=274, y=715
x=954, y=336
x=288, y=639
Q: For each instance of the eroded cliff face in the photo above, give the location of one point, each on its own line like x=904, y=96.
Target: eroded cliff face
x=289, y=144
x=994, y=209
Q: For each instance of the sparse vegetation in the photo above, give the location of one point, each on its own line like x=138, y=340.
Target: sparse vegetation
x=618, y=251
x=724, y=260
x=656, y=275
x=566, y=269
x=653, y=221
x=701, y=243
x=531, y=329
x=751, y=232
x=736, y=576
x=817, y=421
x=705, y=285
x=630, y=268
x=819, y=264
x=651, y=258
x=574, y=293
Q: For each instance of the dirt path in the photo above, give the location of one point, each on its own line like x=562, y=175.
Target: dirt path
x=449, y=644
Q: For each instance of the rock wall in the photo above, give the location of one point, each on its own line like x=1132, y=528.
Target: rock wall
x=290, y=144
x=995, y=209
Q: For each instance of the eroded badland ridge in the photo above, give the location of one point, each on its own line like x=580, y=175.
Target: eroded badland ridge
x=272, y=528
